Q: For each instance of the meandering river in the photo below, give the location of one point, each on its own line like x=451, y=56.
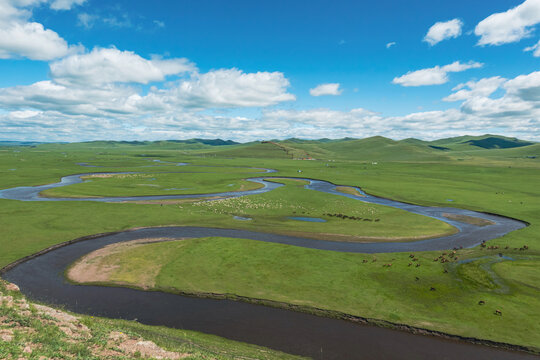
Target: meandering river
x=41, y=278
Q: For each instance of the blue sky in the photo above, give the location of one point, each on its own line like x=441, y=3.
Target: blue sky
x=245, y=70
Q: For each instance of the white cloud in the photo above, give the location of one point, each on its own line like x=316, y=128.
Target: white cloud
x=483, y=87
x=525, y=87
x=534, y=48
x=65, y=4
x=30, y=40
x=232, y=88
x=433, y=76
x=20, y=37
x=105, y=66
x=390, y=44
x=77, y=90
x=49, y=96
x=520, y=103
x=119, y=22
x=55, y=112
x=86, y=20
x=23, y=114
x=510, y=26
x=443, y=30
x=326, y=89
x=516, y=113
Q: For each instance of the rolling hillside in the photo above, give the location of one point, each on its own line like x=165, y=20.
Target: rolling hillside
x=373, y=149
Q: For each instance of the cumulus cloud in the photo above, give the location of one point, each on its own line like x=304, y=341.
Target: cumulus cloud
x=20, y=37
x=326, y=89
x=509, y=26
x=525, y=87
x=87, y=87
x=483, y=87
x=30, y=40
x=52, y=112
x=443, y=30
x=434, y=76
x=49, y=96
x=104, y=66
x=231, y=88
x=518, y=106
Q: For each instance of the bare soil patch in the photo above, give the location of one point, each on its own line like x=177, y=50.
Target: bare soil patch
x=349, y=190
x=95, y=267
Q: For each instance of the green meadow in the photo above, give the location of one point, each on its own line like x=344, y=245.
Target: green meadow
x=434, y=295
x=491, y=174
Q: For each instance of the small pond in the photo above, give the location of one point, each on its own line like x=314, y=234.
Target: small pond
x=303, y=218
x=241, y=218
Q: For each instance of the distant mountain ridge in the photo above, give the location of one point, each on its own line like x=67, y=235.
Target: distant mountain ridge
x=371, y=149
x=379, y=148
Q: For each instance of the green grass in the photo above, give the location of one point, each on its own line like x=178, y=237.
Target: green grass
x=148, y=183
x=28, y=227
x=271, y=209
x=344, y=282
x=522, y=272
x=502, y=181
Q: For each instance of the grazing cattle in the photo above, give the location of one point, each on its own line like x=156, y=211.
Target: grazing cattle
x=411, y=256
x=432, y=289
x=498, y=312
x=417, y=265
x=445, y=271
x=481, y=302
x=416, y=278
x=410, y=264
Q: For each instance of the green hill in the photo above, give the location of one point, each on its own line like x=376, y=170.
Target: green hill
x=379, y=148
x=480, y=142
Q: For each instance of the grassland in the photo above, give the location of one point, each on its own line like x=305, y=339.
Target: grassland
x=28, y=227
x=190, y=181
x=484, y=178
x=357, y=284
